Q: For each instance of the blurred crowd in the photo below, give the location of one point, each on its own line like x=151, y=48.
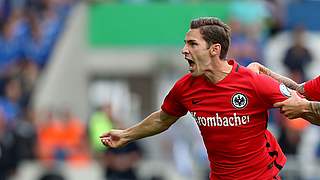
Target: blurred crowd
x=29, y=30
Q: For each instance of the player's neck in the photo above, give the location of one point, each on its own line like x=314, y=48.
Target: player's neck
x=218, y=70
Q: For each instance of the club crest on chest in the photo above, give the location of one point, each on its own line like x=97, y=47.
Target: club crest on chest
x=239, y=100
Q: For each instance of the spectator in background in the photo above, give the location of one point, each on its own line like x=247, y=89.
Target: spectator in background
x=20, y=27
x=290, y=134
x=5, y=10
x=37, y=46
x=29, y=73
x=8, y=150
x=35, y=5
x=74, y=140
x=26, y=135
x=10, y=102
x=120, y=163
x=10, y=47
x=61, y=138
x=276, y=19
x=244, y=45
x=49, y=130
x=116, y=163
x=99, y=121
x=298, y=56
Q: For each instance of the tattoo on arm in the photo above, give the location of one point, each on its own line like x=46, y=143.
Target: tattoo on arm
x=282, y=79
x=286, y=81
x=300, y=89
x=313, y=116
x=315, y=108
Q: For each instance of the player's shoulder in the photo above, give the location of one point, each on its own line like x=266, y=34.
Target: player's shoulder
x=187, y=81
x=247, y=72
x=181, y=84
x=184, y=79
x=254, y=77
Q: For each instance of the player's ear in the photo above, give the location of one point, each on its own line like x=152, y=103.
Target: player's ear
x=215, y=49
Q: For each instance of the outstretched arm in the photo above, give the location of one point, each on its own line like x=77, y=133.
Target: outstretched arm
x=259, y=68
x=155, y=123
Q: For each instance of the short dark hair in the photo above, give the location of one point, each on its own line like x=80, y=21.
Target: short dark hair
x=213, y=30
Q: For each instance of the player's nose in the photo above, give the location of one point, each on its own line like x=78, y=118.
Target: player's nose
x=184, y=50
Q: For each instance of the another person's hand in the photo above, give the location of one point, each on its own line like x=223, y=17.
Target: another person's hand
x=294, y=107
x=114, y=138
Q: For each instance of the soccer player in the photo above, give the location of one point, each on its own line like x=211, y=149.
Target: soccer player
x=228, y=102
x=296, y=106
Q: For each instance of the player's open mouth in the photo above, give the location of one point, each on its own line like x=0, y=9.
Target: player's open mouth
x=191, y=64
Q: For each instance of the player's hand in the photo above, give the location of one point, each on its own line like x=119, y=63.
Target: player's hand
x=255, y=67
x=114, y=138
x=294, y=107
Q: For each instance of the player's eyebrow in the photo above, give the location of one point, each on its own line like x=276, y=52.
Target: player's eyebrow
x=190, y=41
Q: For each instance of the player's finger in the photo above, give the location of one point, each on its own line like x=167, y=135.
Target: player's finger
x=103, y=141
x=106, y=141
x=104, y=135
x=278, y=104
x=293, y=93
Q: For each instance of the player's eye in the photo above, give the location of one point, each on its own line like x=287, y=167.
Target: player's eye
x=193, y=44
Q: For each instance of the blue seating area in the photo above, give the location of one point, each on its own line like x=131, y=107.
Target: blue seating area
x=29, y=30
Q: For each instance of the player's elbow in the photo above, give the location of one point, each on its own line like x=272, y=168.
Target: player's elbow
x=163, y=125
x=167, y=126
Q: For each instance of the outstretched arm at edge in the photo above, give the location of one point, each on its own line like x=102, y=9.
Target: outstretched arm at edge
x=296, y=107
x=155, y=123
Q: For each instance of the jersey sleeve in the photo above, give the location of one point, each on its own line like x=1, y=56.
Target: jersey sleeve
x=312, y=89
x=172, y=105
x=269, y=90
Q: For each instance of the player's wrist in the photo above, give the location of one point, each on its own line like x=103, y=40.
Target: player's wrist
x=306, y=106
x=300, y=89
x=127, y=136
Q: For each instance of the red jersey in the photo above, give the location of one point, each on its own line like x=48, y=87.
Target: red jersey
x=232, y=117
x=312, y=89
